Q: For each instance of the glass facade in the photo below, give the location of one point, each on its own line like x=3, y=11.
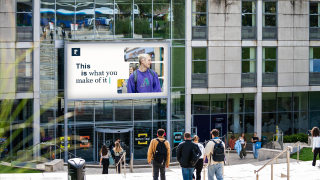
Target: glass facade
x=199, y=67
x=199, y=19
x=269, y=66
x=314, y=29
x=248, y=30
x=314, y=76
x=269, y=22
x=24, y=20
x=248, y=72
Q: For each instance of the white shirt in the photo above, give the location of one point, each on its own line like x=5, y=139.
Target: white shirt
x=242, y=141
x=106, y=156
x=201, y=149
x=316, y=142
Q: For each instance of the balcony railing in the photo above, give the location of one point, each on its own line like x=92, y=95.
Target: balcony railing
x=199, y=32
x=24, y=33
x=314, y=33
x=248, y=80
x=199, y=80
x=248, y=32
x=314, y=78
x=269, y=33
x=269, y=79
x=24, y=84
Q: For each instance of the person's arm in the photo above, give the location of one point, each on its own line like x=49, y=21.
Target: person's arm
x=168, y=154
x=313, y=144
x=131, y=85
x=252, y=140
x=150, y=151
x=156, y=82
x=179, y=152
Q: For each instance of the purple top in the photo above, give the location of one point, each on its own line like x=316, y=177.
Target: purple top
x=145, y=82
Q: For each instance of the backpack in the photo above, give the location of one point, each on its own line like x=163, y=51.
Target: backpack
x=160, y=156
x=195, y=155
x=218, y=152
x=135, y=75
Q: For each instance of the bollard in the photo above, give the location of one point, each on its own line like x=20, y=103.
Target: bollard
x=288, y=165
x=298, y=152
x=272, y=170
x=131, y=163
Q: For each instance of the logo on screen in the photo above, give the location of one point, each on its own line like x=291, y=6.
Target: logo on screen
x=75, y=51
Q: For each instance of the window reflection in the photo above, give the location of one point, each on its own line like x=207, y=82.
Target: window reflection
x=85, y=19
x=105, y=11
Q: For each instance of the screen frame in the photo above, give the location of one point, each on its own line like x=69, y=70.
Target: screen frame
x=146, y=96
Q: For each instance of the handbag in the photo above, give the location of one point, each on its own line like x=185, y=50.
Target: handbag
x=258, y=145
x=111, y=161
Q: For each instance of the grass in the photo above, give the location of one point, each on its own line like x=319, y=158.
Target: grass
x=306, y=154
x=7, y=169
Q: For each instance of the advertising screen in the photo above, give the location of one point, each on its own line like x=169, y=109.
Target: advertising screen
x=116, y=70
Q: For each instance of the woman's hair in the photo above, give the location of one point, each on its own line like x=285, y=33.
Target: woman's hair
x=196, y=138
x=244, y=137
x=315, y=131
x=117, y=147
x=232, y=136
x=104, y=150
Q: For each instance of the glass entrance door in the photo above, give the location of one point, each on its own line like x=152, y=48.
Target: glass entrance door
x=107, y=136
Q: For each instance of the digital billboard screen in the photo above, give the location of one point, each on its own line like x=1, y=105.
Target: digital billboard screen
x=116, y=70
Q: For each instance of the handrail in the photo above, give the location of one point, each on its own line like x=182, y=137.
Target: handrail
x=124, y=159
x=276, y=158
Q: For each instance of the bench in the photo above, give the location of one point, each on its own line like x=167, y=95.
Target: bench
x=265, y=154
x=54, y=165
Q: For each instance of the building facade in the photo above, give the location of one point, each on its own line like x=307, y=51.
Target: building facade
x=238, y=66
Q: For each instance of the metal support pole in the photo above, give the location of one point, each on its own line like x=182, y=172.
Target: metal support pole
x=50, y=152
x=277, y=161
x=60, y=153
x=204, y=173
x=272, y=170
x=288, y=164
x=298, y=152
x=257, y=178
x=131, y=163
x=228, y=157
x=223, y=169
x=124, y=163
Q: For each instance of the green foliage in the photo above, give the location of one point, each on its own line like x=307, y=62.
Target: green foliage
x=7, y=169
x=305, y=154
x=178, y=19
x=142, y=26
x=295, y=137
x=123, y=26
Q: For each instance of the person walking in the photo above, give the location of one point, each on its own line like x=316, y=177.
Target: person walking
x=214, y=152
x=232, y=141
x=118, y=151
x=184, y=152
x=159, y=155
x=199, y=164
x=255, y=139
x=316, y=144
x=243, y=141
x=105, y=155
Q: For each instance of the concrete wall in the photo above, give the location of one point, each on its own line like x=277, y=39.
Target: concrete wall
x=7, y=48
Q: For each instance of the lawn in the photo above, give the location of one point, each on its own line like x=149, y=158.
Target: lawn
x=305, y=155
x=7, y=169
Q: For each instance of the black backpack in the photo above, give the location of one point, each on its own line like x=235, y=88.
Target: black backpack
x=195, y=155
x=160, y=156
x=135, y=77
x=218, y=152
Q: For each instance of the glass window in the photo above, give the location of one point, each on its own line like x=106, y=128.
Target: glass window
x=314, y=59
x=314, y=21
x=235, y=103
x=47, y=67
x=161, y=19
x=300, y=122
x=123, y=19
x=249, y=125
x=178, y=106
x=285, y=122
x=249, y=102
x=48, y=108
x=248, y=20
x=142, y=138
x=84, y=111
x=284, y=101
x=178, y=67
x=314, y=101
x=199, y=67
x=24, y=20
x=269, y=66
x=178, y=19
x=85, y=20
x=199, y=19
x=47, y=18
x=142, y=109
x=314, y=119
x=66, y=21
x=84, y=142
x=300, y=101
x=143, y=19
x=24, y=70
x=177, y=131
x=235, y=125
x=105, y=11
x=269, y=102
x=104, y=111
x=268, y=125
x=123, y=110
x=159, y=125
x=218, y=103
x=159, y=109
x=200, y=104
x=248, y=77
x=269, y=22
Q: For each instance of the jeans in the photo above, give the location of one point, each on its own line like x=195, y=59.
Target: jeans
x=198, y=169
x=255, y=151
x=187, y=173
x=215, y=169
x=155, y=168
x=316, y=151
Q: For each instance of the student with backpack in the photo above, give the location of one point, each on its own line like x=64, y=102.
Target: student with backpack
x=188, y=154
x=159, y=155
x=199, y=164
x=214, y=152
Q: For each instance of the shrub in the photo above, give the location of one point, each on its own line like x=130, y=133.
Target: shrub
x=295, y=137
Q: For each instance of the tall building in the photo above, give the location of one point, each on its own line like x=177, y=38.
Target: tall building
x=238, y=66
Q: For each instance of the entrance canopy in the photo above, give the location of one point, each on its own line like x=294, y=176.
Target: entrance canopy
x=114, y=130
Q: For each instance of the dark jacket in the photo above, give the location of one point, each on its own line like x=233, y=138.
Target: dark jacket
x=184, y=152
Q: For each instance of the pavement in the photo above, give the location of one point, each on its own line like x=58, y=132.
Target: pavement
x=238, y=170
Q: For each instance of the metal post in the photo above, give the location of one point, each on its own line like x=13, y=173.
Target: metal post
x=204, y=173
x=298, y=152
x=120, y=164
x=277, y=161
x=131, y=163
x=228, y=157
x=60, y=152
x=222, y=169
x=124, y=163
x=257, y=178
x=288, y=164
x=272, y=170
x=50, y=152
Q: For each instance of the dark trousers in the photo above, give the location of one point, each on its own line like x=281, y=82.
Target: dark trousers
x=117, y=158
x=105, y=165
x=198, y=169
x=243, y=151
x=316, y=151
x=156, y=167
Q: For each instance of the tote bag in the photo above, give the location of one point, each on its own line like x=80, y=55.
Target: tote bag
x=111, y=162
x=258, y=145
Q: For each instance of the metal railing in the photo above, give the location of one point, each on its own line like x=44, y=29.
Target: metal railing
x=199, y=80
x=314, y=33
x=269, y=32
x=122, y=158
x=270, y=79
x=287, y=150
x=314, y=78
x=279, y=140
x=248, y=80
x=248, y=32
